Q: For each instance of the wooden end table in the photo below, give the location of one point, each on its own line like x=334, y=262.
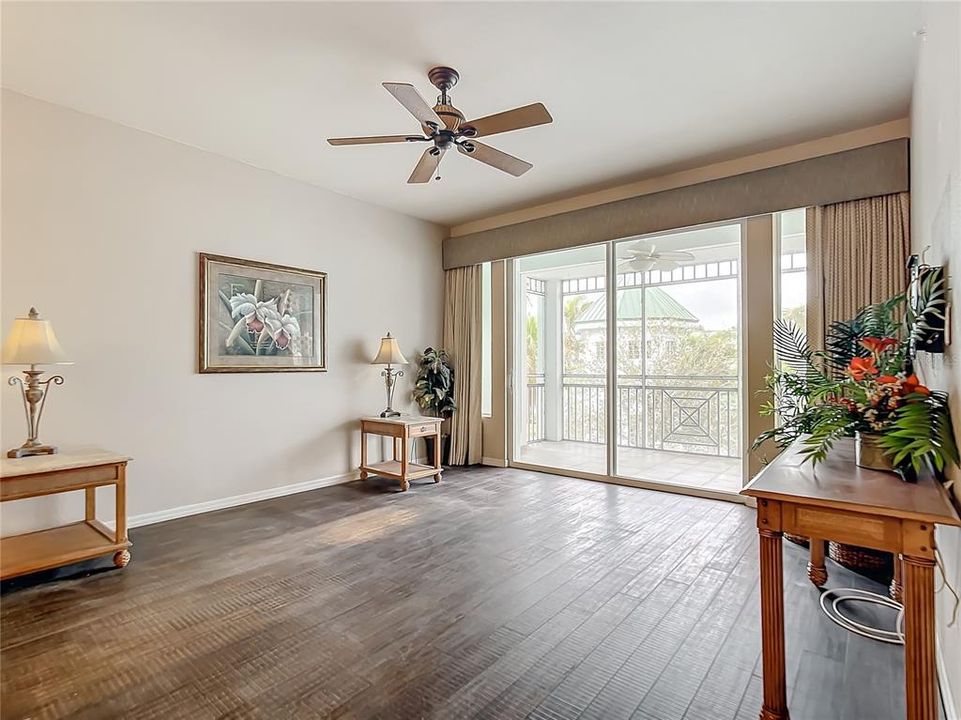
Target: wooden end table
x=839, y=501
x=402, y=429
x=82, y=469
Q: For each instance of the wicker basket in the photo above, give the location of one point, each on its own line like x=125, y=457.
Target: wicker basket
x=875, y=564
x=797, y=540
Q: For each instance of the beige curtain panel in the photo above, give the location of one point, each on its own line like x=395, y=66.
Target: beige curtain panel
x=462, y=340
x=857, y=252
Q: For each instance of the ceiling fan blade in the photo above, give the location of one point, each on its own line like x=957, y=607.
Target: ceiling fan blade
x=408, y=96
x=495, y=158
x=426, y=166
x=375, y=139
x=516, y=119
x=640, y=264
x=675, y=255
x=665, y=265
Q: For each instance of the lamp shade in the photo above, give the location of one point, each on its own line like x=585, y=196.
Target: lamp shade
x=389, y=353
x=32, y=341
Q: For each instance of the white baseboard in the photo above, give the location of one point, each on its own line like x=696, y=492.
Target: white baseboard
x=944, y=681
x=493, y=462
x=235, y=500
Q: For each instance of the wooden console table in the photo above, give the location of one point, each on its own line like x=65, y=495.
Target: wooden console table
x=402, y=429
x=842, y=502
x=83, y=469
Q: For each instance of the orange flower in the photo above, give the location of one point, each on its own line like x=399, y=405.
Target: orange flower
x=911, y=385
x=862, y=367
x=887, y=380
x=878, y=345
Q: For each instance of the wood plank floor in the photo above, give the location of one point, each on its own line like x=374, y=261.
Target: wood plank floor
x=497, y=594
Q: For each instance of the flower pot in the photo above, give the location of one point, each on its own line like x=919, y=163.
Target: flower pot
x=869, y=454
x=444, y=449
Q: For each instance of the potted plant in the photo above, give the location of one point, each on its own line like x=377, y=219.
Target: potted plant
x=434, y=392
x=863, y=386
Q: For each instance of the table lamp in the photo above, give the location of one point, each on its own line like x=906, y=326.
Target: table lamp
x=32, y=342
x=389, y=354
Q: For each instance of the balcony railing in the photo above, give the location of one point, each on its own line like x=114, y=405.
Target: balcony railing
x=685, y=413
x=535, y=408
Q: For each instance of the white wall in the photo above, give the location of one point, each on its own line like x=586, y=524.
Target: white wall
x=101, y=225
x=936, y=221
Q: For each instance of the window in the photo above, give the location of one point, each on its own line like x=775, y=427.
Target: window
x=792, y=263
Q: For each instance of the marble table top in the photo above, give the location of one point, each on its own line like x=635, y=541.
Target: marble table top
x=403, y=419
x=65, y=459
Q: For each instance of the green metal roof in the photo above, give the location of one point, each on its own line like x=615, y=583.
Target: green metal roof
x=660, y=306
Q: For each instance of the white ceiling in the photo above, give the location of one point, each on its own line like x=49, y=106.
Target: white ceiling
x=635, y=89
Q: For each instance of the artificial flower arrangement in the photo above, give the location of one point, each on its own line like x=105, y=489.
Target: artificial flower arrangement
x=863, y=385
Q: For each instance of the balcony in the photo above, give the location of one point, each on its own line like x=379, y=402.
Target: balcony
x=681, y=430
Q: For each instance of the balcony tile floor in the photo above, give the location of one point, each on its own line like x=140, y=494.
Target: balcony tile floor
x=703, y=471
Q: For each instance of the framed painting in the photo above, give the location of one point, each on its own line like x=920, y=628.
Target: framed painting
x=260, y=317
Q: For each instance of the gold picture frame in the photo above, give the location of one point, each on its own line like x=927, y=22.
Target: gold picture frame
x=261, y=317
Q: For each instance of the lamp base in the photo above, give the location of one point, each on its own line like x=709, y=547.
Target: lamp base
x=390, y=413
x=25, y=451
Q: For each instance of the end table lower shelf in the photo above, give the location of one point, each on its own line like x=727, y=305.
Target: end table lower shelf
x=45, y=549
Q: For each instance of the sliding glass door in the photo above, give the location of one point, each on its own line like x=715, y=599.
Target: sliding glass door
x=677, y=380
x=560, y=360
x=626, y=360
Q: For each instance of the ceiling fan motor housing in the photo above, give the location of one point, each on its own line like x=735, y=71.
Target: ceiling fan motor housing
x=451, y=116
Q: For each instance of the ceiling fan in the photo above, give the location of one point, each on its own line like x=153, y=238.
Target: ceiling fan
x=444, y=127
x=645, y=256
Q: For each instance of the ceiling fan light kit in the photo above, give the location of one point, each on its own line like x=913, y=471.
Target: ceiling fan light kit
x=443, y=126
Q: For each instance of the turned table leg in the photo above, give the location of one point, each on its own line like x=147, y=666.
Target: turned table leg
x=817, y=573
x=437, y=450
x=121, y=557
x=897, y=588
x=919, y=658
x=363, y=454
x=772, y=626
x=404, y=481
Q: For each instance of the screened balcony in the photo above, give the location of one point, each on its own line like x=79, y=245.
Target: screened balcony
x=676, y=405
x=677, y=429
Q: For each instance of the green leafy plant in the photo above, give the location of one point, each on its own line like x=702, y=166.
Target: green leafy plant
x=434, y=388
x=863, y=382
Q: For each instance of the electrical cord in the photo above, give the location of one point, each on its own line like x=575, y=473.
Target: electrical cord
x=831, y=601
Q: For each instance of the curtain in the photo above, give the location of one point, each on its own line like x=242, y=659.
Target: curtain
x=856, y=255
x=462, y=341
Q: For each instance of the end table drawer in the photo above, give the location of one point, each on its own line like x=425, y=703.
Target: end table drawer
x=423, y=429
x=22, y=486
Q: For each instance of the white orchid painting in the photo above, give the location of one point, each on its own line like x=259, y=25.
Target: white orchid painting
x=269, y=319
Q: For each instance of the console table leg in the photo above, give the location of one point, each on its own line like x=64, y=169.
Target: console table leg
x=919, y=658
x=772, y=626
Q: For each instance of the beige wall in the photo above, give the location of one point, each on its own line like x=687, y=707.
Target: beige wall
x=100, y=229
x=936, y=221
